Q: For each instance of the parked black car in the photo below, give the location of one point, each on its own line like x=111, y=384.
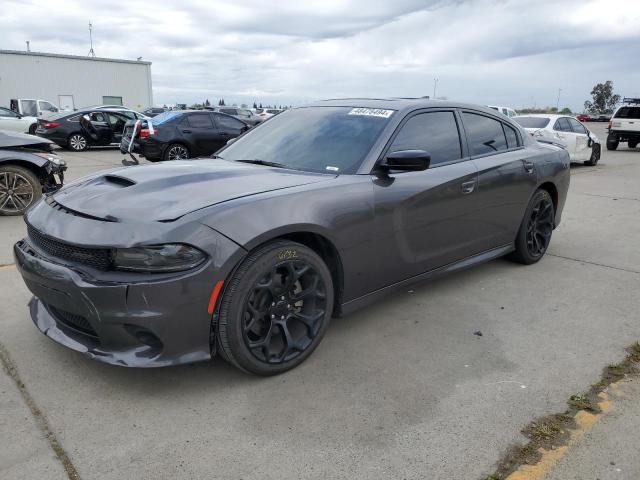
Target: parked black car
x=82, y=129
x=178, y=135
x=318, y=211
x=243, y=114
x=28, y=168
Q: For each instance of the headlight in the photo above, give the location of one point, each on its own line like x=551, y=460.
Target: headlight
x=52, y=158
x=172, y=257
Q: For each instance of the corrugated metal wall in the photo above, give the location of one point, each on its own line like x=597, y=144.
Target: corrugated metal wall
x=30, y=75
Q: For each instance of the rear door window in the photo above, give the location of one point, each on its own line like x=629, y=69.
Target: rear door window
x=226, y=122
x=512, y=137
x=484, y=134
x=563, y=125
x=577, y=127
x=201, y=120
x=433, y=132
x=229, y=111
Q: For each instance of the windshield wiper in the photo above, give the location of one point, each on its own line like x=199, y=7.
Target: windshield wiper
x=266, y=163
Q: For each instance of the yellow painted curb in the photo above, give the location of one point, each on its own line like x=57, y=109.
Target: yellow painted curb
x=584, y=421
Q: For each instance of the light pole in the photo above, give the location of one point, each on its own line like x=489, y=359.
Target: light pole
x=435, y=83
x=558, y=101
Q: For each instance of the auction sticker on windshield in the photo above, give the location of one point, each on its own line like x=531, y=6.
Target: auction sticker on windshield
x=371, y=112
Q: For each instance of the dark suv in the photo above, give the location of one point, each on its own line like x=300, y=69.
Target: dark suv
x=178, y=135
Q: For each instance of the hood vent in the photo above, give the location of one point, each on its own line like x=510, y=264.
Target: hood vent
x=118, y=180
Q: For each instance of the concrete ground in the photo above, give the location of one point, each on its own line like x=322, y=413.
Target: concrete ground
x=401, y=389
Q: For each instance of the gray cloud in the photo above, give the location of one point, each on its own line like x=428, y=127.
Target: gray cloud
x=510, y=52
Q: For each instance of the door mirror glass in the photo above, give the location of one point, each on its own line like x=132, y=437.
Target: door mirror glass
x=407, y=160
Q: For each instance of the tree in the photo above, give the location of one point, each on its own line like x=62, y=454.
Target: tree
x=260, y=105
x=254, y=105
x=222, y=104
x=604, y=100
x=566, y=111
x=206, y=103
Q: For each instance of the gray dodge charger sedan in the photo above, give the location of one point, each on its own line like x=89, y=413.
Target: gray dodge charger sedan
x=312, y=214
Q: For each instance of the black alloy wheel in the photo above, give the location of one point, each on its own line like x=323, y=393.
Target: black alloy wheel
x=19, y=188
x=536, y=229
x=595, y=155
x=176, y=151
x=276, y=308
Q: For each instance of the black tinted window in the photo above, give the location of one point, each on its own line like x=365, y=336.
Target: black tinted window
x=576, y=126
x=512, y=136
x=228, y=111
x=532, y=122
x=563, y=125
x=226, y=122
x=485, y=135
x=628, y=112
x=200, y=121
x=4, y=112
x=436, y=133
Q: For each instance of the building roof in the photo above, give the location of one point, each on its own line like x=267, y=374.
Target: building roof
x=74, y=57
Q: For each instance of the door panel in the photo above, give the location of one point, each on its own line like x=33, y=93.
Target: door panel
x=583, y=149
x=95, y=126
x=425, y=219
x=505, y=182
x=200, y=134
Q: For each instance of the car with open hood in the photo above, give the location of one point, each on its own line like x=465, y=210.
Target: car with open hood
x=28, y=169
x=317, y=212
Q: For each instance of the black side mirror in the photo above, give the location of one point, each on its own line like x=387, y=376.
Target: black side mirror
x=407, y=161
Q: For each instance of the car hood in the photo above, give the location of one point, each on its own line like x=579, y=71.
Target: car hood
x=167, y=191
x=13, y=139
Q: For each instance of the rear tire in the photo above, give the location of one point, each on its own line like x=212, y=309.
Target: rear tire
x=595, y=155
x=32, y=129
x=19, y=189
x=275, y=309
x=612, y=142
x=632, y=144
x=535, y=230
x=77, y=142
x=176, y=151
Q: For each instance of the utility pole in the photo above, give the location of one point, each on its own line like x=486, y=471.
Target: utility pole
x=558, y=101
x=435, y=84
x=91, y=52
x=28, y=48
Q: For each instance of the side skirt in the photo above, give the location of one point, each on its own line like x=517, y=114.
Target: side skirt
x=356, y=304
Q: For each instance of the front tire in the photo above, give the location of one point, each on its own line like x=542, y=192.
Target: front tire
x=19, y=189
x=632, y=143
x=612, y=142
x=275, y=309
x=595, y=155
x=77, y=142
x=176, y=151
x=535, y=230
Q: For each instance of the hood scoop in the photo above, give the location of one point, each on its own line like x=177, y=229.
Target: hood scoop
x=118, y=180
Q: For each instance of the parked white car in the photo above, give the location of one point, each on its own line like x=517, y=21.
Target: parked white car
x=509, y=112
x=12, y=121
x=566, y=131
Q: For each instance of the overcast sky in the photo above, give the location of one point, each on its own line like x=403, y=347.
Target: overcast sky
x=507, y=52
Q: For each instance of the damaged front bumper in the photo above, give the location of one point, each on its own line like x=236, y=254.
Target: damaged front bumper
x=123, y=318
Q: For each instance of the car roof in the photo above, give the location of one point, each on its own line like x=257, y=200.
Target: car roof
x=398, y=104
x=552, y=116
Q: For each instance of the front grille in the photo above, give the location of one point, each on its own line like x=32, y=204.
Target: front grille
x=73, y=321
x=99, y=258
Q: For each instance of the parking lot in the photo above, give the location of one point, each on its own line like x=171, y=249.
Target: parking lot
x=432, y=382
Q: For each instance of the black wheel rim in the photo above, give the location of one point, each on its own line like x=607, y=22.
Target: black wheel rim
x=16, y=192
x=539, y=227
x=178, y=152
x=284, y=312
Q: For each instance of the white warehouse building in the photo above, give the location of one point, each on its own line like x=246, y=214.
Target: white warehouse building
x=73, y=82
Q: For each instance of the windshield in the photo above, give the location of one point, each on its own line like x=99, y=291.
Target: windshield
x=315, y=139
x=532, y=122
x=165, y=117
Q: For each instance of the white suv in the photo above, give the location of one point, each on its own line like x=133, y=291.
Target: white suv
x=509, y=112
x=625, y=125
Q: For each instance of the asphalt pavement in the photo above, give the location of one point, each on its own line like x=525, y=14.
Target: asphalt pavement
x=402, y=389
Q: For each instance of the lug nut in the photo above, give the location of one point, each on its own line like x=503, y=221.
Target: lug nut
x=273, y=316
x=282, y=317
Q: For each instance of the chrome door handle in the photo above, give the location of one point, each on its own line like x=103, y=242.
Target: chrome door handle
x=468, y=187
